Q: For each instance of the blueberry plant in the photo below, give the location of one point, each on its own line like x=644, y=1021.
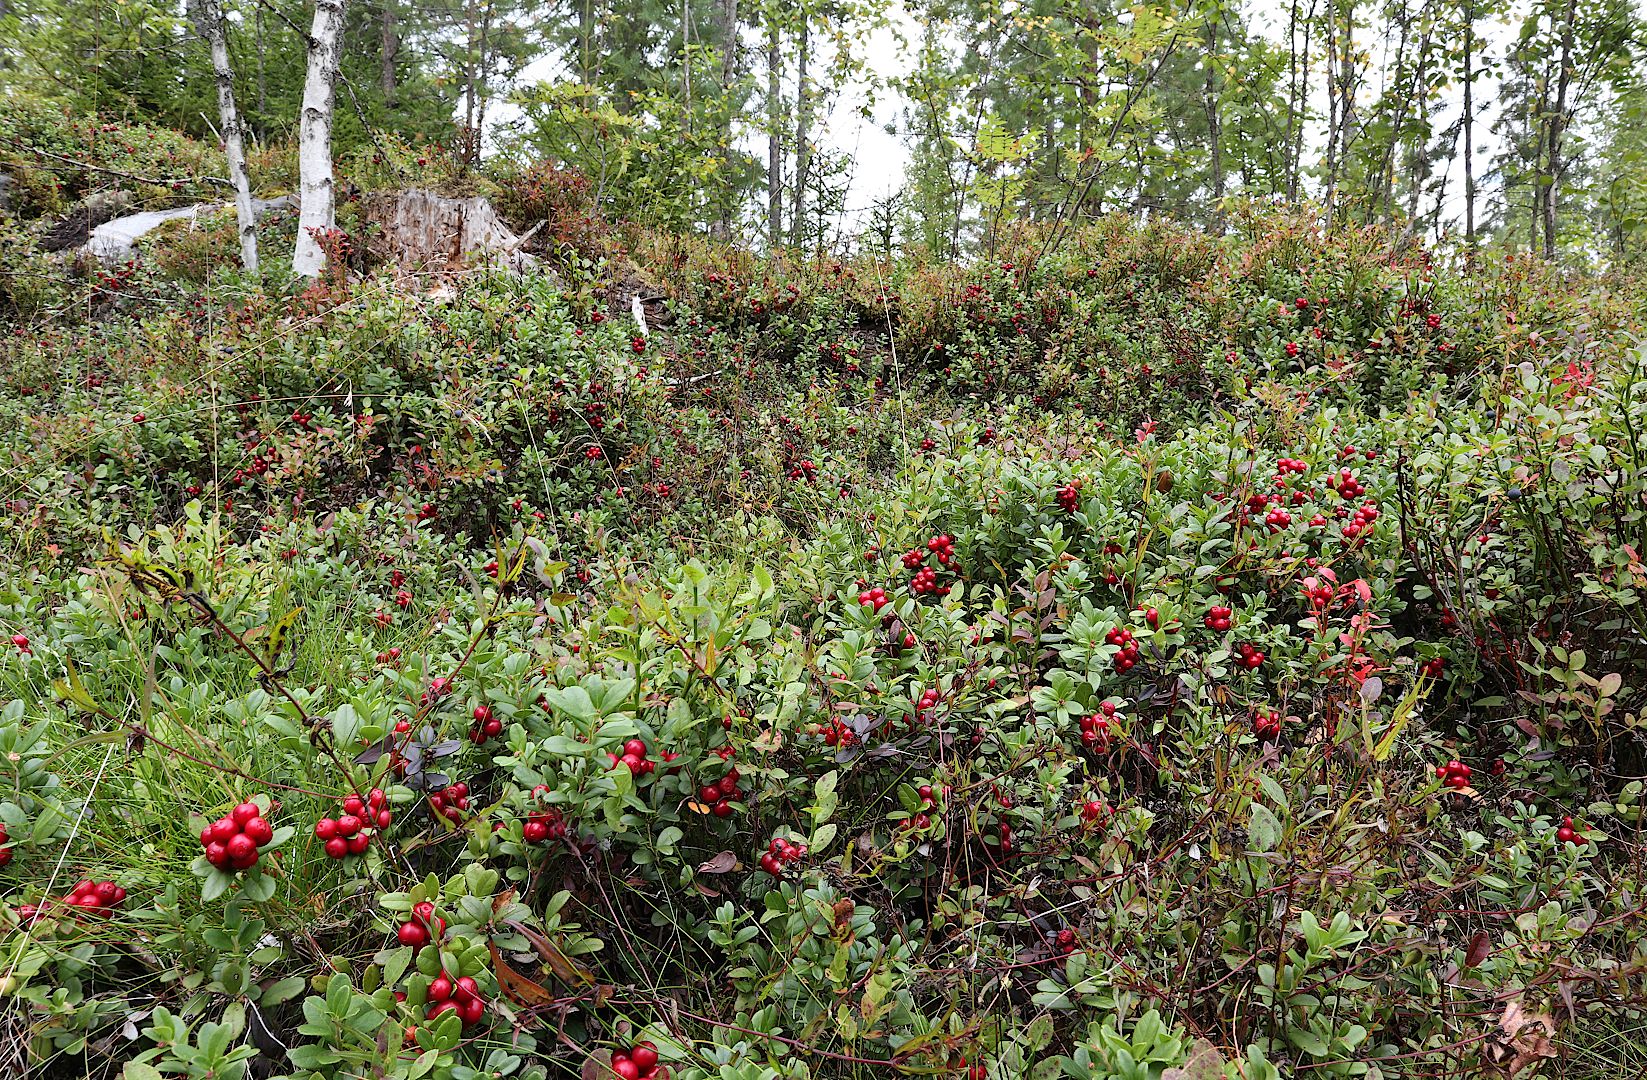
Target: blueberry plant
x=1182, y=657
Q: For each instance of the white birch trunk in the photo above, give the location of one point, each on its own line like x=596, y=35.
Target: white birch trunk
x=314, y=138
x=210, y=25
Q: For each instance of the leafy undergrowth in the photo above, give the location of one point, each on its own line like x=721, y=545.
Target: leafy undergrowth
x=1094, y=670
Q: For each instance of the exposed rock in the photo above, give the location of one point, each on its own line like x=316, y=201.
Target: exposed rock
x=77, y=225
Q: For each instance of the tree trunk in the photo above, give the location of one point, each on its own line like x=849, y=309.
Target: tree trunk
x=1557, y=127
x=803, y=149
x=388, y=52
x=262, y=83
x=314, y=138
x=1215, y=134
x=1420, y=100
x=722, y=228
x=469, y=46
x=1332, y=107
x=1469, y=144
x=209, y=23
x=484, y=79
x=774, y=138
x=586, y=43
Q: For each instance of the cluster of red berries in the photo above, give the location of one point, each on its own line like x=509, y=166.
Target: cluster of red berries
x=926, y=702
x=720, y=795
x=1277, y=519
x=637, y=344
x=1455, y=774
x=838, y=734
x=1249, y=656
x=1218, y=617
x=922, y=818
x=350, y=833
x=1361, y=521
x=1128, y=657
x=1433, y=667
x=633, y=758
x=1266, y=724
x=1069, y=497
x=96, y=897
x=232, y=842
x=1567, y=834
x=639, y=1062
x=926, y=581
x=21, y=641
x=779, y=853
x=943, y=546
x=1095, y=728
x=461, y=996
x=1348, y=487
x=1093, y=810
x=423, y=927
x=542, y=826
x=875, y=598
x=450, y=801
x=1317, y=592
x=1290, y=465
x=1064, y=940
x=485, y=726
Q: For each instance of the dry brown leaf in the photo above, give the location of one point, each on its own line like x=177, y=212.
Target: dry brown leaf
x=515, y=986
x=564, y=967
x=1205, y=1063
x=722, y=862
x=598, y=1066
x=1529, y=1037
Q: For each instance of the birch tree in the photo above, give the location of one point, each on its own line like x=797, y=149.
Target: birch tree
x=314, y=138
x=208, y=21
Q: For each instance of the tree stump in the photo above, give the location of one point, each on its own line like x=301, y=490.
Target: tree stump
x=422, y=232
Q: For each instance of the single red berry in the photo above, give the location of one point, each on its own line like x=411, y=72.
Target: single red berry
x=242, y=851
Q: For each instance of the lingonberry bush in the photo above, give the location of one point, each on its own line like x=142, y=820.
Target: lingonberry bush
x=1106, y=666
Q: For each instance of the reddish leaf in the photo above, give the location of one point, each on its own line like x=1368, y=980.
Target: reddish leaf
x=1480, y=947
